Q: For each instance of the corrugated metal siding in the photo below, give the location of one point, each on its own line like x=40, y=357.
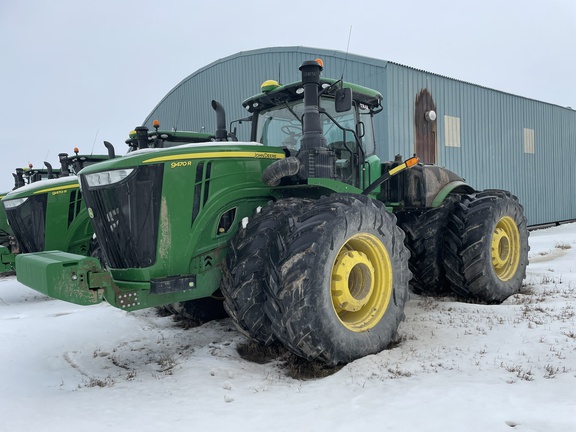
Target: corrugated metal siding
x=235, y=78
x=492, y=139
x=492, y=123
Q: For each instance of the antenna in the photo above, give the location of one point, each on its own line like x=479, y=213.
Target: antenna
x=346, y=55
x=94, y=143
x=175, y=127
x=279, y=76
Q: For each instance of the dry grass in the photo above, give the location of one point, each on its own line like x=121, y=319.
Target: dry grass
x=563, y=246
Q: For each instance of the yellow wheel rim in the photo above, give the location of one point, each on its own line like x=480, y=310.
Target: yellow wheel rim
x=505, y=248
x=361, y=285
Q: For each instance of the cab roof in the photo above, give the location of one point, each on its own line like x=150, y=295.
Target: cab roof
x=277, y=94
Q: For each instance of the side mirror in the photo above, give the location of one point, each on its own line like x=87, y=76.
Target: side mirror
x=343, y=100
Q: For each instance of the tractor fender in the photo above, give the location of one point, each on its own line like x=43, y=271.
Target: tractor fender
x=455, y=186
x=428, y=185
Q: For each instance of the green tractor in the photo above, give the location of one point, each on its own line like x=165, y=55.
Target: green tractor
x=8, y=245
x=52, y=215
x=45, y=210
x=22, y=177
x=303, y=234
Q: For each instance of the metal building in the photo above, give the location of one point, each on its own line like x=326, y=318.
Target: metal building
x=491, y=138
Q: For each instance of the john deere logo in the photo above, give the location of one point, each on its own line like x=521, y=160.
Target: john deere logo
x=59, y=192
x=90, y=213
x=266, y=155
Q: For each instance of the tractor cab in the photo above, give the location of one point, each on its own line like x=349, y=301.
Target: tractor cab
x=342, y=134
x=71, y=165
x=141, y=137
x=24, y=176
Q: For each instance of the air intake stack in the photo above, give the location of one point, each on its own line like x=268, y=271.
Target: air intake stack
x=316, y=159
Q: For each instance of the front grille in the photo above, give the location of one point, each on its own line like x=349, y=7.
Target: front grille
x=126, y=216
x=28, y=223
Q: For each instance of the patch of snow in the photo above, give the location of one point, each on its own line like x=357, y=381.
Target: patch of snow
x=458, y=366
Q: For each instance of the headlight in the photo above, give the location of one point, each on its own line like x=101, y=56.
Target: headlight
x=9, y=204
x=107, y=177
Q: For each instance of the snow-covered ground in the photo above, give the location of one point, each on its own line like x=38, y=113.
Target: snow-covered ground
x=458, y=367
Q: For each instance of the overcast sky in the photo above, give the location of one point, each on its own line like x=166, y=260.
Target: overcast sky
x=75, y=73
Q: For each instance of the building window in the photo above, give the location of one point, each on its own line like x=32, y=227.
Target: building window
x=528, y=140
x=451, y=131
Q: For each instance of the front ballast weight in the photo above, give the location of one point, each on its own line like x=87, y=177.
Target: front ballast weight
x=73, y=278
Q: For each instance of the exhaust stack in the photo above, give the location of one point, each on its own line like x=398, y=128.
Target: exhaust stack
x=49, y=170
x=111, y=150
x=64, y=171
x=19, y=178
x=221, y=132
x=142, y=137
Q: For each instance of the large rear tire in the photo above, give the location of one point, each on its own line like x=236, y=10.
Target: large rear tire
x=338, y=283
x=245, y=268
x=486, y=248
x=425, y=230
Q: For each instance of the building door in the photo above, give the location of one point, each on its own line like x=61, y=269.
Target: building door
x=425, y=127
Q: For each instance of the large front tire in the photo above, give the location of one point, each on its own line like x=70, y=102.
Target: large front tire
x=338, y=283
x=486, y=249
x=245, y=267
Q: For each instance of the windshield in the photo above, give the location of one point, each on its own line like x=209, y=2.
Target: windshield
x=282, y=127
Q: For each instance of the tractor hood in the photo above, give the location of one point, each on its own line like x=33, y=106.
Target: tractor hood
x=176, y=156
x=138, y=201
x=43, y=186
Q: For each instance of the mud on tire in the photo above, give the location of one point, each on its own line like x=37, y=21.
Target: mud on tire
x=338, y=280
x=245, y=268
x=486, y=247
x=425, y=230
